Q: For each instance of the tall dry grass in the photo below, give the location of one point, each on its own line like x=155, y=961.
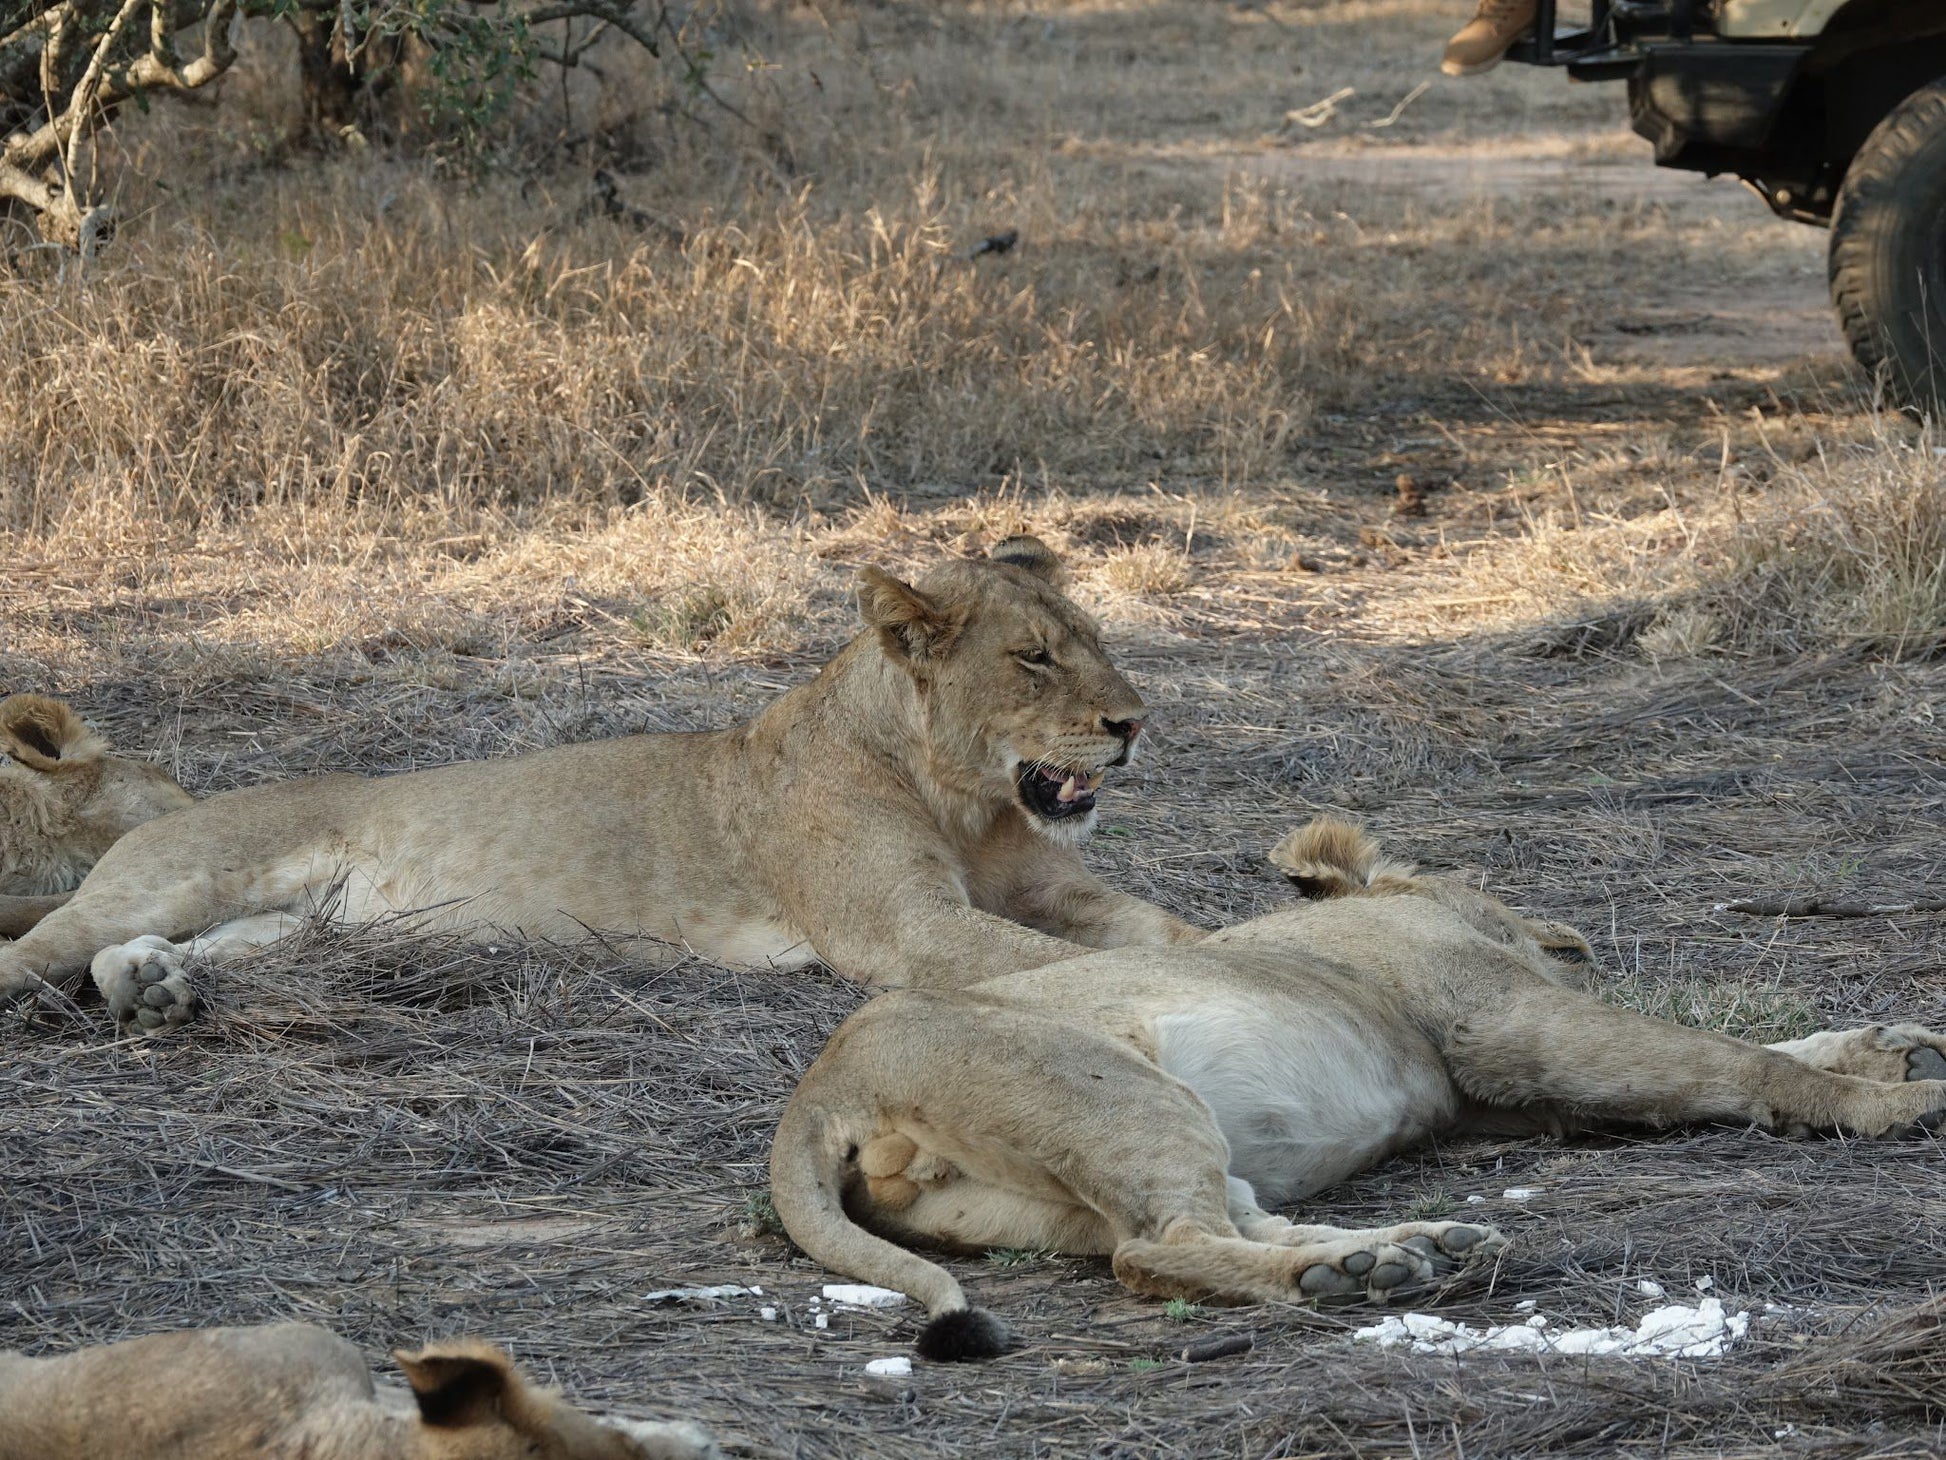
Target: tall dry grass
x=411, y=400
x=1842, y=547
x=469, y=350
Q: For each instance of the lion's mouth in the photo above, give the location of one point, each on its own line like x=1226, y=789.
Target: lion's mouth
x=1057, y=792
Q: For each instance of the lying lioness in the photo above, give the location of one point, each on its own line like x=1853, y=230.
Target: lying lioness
x=1151, y=1104
x=64, y=800
x=909, y=816
x=290, y=1391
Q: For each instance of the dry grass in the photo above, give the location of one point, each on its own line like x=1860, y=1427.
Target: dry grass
x=347, y=465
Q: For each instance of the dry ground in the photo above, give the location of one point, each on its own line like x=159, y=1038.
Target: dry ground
x=1462, y=473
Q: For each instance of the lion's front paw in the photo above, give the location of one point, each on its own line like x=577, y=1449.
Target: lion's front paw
x=1359, y=1267
x=1448, y=1245
x=668, y=1440
x=145, y=986
x=1925, y=1062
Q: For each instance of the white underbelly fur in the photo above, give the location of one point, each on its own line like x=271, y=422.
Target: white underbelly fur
x=1302, y=1104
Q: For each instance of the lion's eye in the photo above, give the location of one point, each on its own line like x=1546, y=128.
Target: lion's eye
x=1034, y=658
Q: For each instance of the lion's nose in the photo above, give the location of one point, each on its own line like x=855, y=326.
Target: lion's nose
x=1126, y=731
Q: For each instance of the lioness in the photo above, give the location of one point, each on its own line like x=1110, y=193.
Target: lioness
x=911, y=815
x=1151, y=1104
x=64, y=800
x=291, y=1391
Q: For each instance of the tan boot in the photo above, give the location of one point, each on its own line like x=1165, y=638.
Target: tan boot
x=1485, y=40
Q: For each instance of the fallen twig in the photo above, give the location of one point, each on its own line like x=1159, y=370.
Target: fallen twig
x=1817, y=907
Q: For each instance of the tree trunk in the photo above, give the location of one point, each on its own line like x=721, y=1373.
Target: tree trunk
x=328, y=86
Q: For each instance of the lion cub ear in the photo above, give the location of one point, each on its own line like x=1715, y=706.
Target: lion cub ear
x=911, y=626
x=460, y=1382
x=41, y=732
x=1030, y=555
x=1332, y=858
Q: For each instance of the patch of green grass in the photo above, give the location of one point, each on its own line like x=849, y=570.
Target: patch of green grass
x=1759, y=1013
x=1017, y=1256
x=1432, y=1206
x=1144, y=1366
x=1181, y=1310
x=689, y=617
x=760, y=1217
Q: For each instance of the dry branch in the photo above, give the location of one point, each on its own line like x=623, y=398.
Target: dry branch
x=67, y=67
x=1814, y=906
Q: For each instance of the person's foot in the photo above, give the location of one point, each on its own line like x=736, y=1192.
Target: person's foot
x=1480, y=46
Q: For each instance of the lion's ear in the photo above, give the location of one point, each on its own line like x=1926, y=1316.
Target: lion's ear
x=1331, y=858
x=910, y=625
x=42, y=732
x=460, y=1382
x=1030, y=555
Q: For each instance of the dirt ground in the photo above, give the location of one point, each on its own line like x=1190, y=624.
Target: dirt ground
x=1526, y=543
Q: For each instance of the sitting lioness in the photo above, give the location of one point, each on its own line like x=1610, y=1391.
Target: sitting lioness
x=64, y=800
x=911, y=815
x=1150, y=1105
x=291, y=1391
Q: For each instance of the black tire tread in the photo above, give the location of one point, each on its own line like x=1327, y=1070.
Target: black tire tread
x=1871, y=186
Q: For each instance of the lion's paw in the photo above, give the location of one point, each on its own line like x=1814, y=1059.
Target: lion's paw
x=1889, y=1053
x=1925, y=1062
x=1360, y=1267
x=145, y=985
x=1448, y=1245
x=667, y=1440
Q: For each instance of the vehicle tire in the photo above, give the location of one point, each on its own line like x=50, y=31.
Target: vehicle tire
x=1888, y=252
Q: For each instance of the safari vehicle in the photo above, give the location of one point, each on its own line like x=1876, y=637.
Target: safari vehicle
x=1834, y=111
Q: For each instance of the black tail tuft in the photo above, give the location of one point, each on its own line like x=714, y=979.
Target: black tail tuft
x=963, y=1336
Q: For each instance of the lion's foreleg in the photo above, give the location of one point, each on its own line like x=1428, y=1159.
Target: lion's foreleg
x=1065, y=900
x=1553, y=1047
x=19, y=915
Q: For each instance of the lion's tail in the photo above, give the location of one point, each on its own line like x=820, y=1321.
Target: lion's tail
x=808, y=1162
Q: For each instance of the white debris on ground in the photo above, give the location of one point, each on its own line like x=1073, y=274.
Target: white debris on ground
x=893, y=1367
x=1675, y=1331
x=842, y=1297
x=1649, y=1288
x=862, y=1295
x=1520, y=1193
x=701, y=1295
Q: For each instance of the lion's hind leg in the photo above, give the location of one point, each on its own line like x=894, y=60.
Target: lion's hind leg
x=1191, y=1261
x=1447, y=1245
x=1889, y=1053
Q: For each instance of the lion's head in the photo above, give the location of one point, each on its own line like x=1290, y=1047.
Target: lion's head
x=1020, y=699
x=64, y=799
x=1327, y=858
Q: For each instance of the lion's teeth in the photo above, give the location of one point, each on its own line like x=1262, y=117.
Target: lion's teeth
x=1093, y=783
x=1068, y=792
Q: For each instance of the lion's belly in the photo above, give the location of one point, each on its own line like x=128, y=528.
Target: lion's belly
x=733, y=927
x=1304, y=1101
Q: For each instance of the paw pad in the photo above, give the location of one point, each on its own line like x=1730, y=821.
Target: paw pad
x=1925, y=1063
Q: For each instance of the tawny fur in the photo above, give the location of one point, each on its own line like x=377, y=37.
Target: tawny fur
x=1153, y=1105
x=64, y=800
x=870, y=818
x=292, y=1391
